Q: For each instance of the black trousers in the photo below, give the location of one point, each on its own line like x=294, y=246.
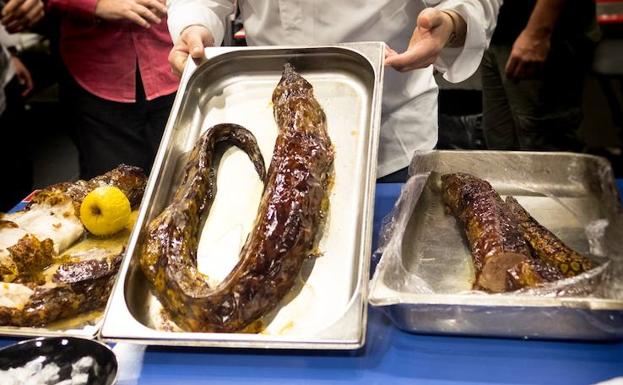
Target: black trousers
x=109, y=133
x=537, y=114
x=16, y=173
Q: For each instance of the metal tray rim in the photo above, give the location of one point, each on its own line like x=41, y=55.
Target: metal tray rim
x=419, y=305
x=496, y=300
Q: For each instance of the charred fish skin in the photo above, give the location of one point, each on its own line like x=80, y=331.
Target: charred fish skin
x=547, y=246
x=172, y=237
x=169, y=254
x=129, y=179
x=284, y=234
x=531, y=274
x=68, y=296
x=493, y=236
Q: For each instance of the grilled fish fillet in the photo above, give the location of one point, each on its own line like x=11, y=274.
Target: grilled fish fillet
x=285, y=232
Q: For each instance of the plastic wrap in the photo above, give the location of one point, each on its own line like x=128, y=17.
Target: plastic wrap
x=424, y=264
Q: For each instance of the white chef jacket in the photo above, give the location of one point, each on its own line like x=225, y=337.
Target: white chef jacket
x=409, y=115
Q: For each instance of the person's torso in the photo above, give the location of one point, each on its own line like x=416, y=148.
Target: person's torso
x=409, y=99
x=271, y=22
x=103, y=57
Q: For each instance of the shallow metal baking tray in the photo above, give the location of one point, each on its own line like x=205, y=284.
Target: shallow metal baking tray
x=424, y=278
x=328, y=310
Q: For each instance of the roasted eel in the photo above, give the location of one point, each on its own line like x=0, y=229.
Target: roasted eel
x=531, y=274
x=501, y=256
x=547, y=246
x=285, y=231
x=44, y=277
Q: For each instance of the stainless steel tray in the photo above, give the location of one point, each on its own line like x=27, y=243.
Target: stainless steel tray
x=424, y=278
x=235, y=85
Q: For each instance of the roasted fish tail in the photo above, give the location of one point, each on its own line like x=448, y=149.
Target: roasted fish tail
x=283, y=236
x=547, y=246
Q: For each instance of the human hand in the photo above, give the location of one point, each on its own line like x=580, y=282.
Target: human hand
x=20, y=14
x=528, y=54
x=142, y=12
x=192, y=41
x=23, y=75
x=430, y=35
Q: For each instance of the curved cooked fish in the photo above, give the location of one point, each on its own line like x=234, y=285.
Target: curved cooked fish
x=284, y=234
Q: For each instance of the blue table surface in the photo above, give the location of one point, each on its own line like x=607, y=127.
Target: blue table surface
x=390, y=356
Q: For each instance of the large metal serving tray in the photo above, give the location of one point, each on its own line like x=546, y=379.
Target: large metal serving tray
x=423, y=281
x=328, y=308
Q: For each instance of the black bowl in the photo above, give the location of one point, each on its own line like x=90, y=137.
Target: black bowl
x=63, y=351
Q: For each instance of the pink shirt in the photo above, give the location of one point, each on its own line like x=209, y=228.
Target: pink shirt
x=102, y=55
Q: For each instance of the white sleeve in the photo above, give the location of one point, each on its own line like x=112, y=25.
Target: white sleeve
x=210, y=13
x=457, y=64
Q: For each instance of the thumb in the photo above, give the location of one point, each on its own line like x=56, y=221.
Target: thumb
x=196, y=39
x=429, y=18
x=195, y=45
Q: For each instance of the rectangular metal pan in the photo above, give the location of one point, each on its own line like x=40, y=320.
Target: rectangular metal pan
x=424, y=278
x=328, y=309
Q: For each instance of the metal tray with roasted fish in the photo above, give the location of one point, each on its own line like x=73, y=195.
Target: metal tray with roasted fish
x=57, y=276
x=224, y=259
x=546, y=263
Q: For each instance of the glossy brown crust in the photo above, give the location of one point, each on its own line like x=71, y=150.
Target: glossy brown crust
x=284, y=234
x=531, y=274
x=65, y=299
x=31, y=255
x=129, y=179
x=492, y=234
x=547, y=246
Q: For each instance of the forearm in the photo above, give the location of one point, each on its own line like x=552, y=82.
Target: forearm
x=544, y=16
x=459, y=29
x=472, y=17
x=461, y=57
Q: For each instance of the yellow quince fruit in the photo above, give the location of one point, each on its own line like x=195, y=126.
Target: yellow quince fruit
x=105, y=211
